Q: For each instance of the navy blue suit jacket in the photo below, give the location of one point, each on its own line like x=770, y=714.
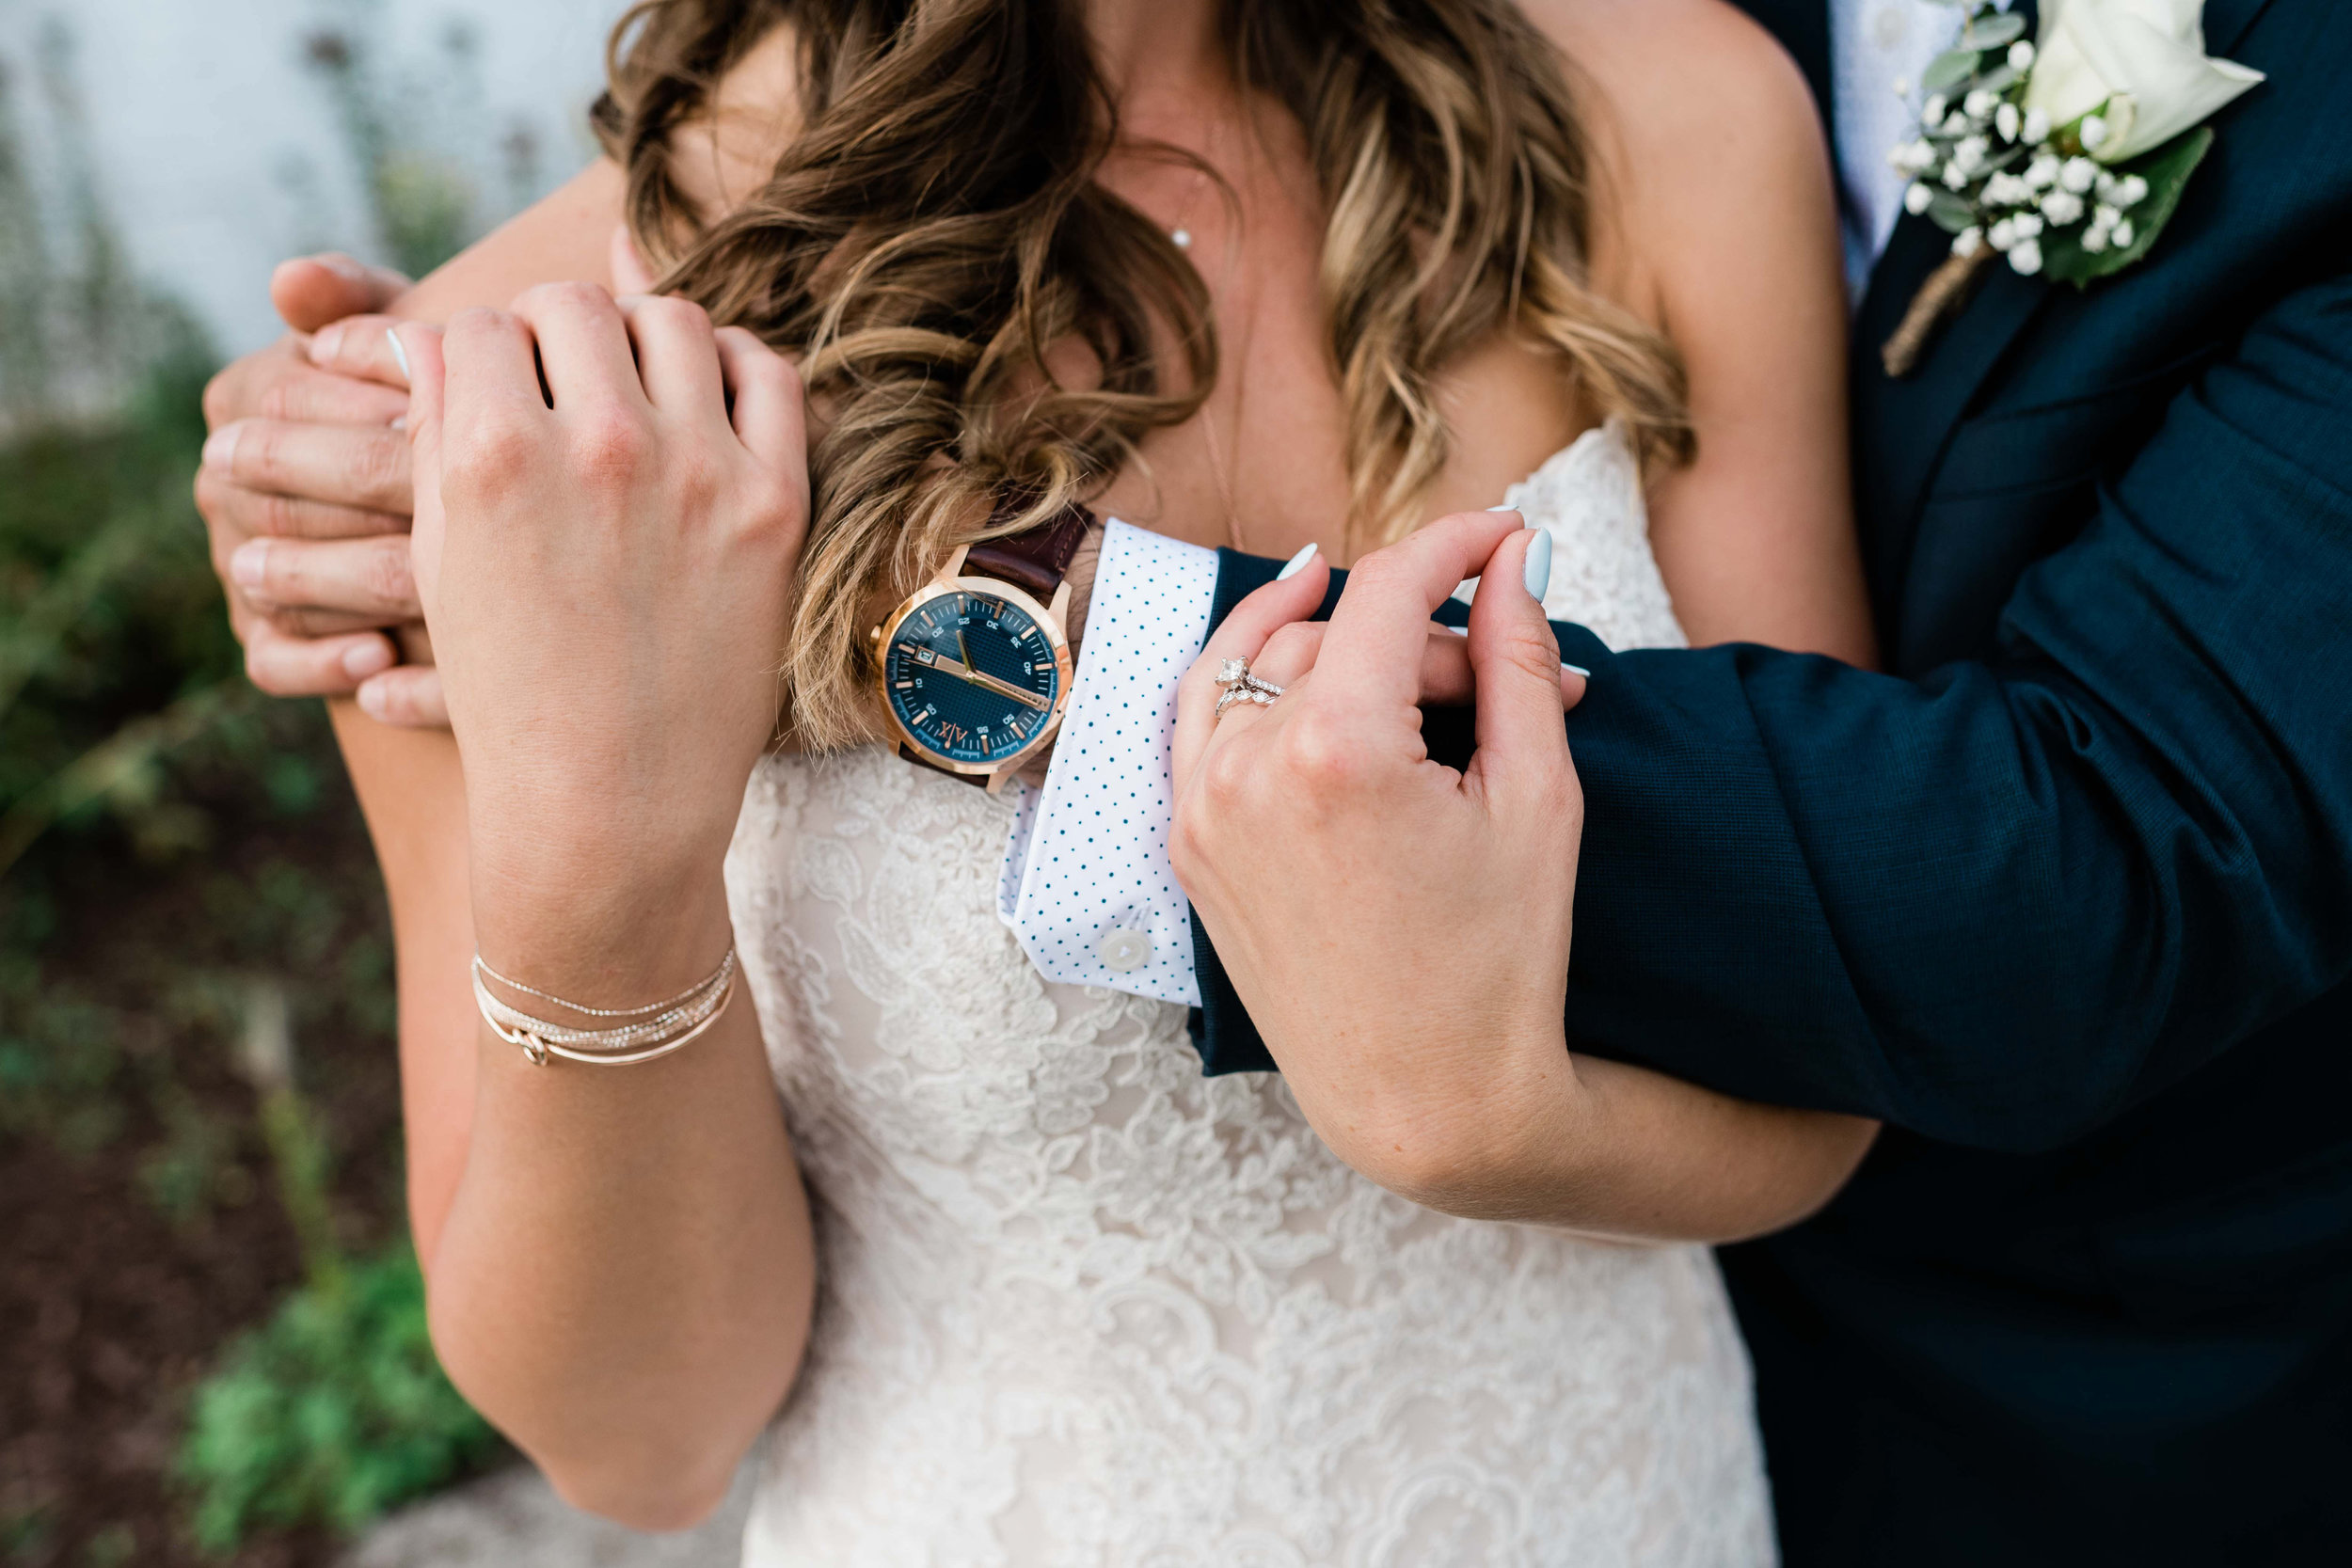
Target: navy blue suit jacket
x=2065, y=896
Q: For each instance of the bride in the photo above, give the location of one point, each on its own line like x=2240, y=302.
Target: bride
x=1000, y=1274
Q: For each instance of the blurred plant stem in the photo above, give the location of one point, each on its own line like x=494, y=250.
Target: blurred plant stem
x=120, y=768
x=298, y=1150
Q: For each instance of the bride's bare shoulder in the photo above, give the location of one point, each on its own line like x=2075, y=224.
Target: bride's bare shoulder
x=1699, y=116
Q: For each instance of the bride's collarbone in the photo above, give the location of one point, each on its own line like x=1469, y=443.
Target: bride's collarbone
x=1266, y=471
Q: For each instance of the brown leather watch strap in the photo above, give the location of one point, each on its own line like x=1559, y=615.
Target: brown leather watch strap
x=1035, y=559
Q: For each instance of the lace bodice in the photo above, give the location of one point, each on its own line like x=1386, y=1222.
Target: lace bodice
x=1080, y=1304
x=1588, y=496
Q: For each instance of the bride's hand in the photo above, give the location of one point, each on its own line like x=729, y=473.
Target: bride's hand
x=605, y=566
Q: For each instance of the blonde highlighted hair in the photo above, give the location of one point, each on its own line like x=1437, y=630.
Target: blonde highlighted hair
x=936, y=226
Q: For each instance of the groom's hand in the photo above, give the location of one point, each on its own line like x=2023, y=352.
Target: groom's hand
x=304, y=490
x=1399, y=931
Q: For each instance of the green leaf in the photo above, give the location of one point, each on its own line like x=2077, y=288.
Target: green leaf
x=2166, y=171
x=1949, y=212
x=1992, y=32
x=1999, y=79
x=1951, y=69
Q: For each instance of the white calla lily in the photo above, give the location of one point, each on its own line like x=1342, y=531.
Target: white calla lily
x=2140, y=63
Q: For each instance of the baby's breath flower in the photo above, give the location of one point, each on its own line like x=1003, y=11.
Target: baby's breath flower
x=2006, y=190
x=1932, y=112
x=1956, y=124
x=2078, y=175
x=1980, y=104
x=2125, y=234
x=2131, y=191
x=2008, y=121
x=2028, y=225
x=2093, y=133
x=2106, y=186
x=1968, y=242
x=2044, y=171
x=2063, y=207
x=2095, y=239
x=1918, y=198
x=1955, y=177
x=1912, y=158
x=2105, y=216
x=2021, y=58
x=2003, y=234
x=2037, y=129
x=2025, y=255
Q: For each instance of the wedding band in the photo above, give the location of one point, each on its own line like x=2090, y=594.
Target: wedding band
x=1242, y=687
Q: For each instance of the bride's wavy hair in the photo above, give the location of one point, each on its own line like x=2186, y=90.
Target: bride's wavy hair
x=936, y=226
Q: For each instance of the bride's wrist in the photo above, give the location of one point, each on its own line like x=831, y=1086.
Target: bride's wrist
x=600, y=933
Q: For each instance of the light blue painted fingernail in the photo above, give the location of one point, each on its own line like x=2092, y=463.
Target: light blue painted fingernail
x=400, y=354
x=1576, y=670
x=1296, y=563
x=1539, y=564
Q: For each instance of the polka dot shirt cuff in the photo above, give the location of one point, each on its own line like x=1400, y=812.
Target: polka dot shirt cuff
x=1086, y=883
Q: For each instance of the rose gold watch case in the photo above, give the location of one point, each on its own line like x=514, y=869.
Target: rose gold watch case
x=951, y=580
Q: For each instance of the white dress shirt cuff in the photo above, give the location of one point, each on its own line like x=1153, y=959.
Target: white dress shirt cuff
x=1086, y=883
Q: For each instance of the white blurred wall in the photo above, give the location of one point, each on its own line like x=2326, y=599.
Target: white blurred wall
x=218, y=153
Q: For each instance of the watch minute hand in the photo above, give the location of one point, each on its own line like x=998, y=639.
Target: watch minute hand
x=982, y=678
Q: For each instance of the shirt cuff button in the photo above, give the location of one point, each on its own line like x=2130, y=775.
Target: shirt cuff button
x=1123, y=950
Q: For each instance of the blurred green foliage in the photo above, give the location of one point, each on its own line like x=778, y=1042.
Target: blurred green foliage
x=182, y=871
x=333, y=1413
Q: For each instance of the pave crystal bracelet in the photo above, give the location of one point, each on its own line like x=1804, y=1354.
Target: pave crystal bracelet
x=635, y=1033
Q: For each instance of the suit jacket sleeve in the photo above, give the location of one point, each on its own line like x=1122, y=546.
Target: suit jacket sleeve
x=2001, y=904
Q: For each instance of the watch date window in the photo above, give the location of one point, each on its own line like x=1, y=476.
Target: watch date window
x=925, y=655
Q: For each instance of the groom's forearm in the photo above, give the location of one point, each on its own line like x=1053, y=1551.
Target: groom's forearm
x=2002, y=904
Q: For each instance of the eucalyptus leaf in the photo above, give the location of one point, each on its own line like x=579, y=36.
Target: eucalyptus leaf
x=1951, y=69
x=2166, y=171
x=1999, y=79
x=1949, y=212
x=1991, y=32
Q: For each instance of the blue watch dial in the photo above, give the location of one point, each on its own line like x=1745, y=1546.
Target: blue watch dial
x=972, y=676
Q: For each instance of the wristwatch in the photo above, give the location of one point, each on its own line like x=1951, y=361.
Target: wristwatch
x=975, y=666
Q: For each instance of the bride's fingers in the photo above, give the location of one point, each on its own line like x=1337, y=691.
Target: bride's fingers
x=583, y=347
x=1243, y=635
x=676, y=359
x=770, y=412
x=630, y=275
x=1447, y=678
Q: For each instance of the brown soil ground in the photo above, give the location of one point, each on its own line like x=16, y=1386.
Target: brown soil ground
x=110, y=1311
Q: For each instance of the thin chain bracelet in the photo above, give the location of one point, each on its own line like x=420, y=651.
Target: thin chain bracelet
x=481, y=965
x=659, y=1028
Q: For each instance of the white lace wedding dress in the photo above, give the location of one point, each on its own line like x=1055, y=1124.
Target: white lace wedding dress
x=1082, y=1306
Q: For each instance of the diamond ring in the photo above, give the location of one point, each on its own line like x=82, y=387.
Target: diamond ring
x=1242, y=687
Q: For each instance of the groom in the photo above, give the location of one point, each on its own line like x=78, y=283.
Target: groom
x=2066, y=898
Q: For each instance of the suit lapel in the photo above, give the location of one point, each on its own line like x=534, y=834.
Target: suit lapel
x=1902, y=428
x=2226, y=22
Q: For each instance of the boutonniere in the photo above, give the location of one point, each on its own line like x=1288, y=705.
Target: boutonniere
x=2065, y=156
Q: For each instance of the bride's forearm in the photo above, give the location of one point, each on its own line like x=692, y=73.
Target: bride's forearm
x=625, y=1279
x=1608, y=1150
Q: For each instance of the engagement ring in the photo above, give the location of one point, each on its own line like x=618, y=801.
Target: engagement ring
x=1242, y=687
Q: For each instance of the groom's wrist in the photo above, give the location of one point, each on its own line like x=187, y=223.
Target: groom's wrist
x=1079, y=578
